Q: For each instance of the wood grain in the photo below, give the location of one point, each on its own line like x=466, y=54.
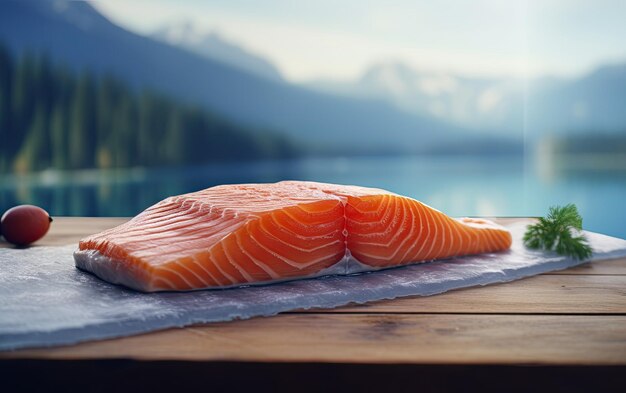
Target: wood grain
x=573, y=317
x=391, y=338
x=545, y=294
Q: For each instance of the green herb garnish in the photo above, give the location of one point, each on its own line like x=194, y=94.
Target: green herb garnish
x=558, y=231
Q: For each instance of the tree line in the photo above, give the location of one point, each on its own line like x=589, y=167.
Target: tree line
x=54, y=117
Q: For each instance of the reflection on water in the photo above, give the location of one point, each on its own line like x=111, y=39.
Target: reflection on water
x=473, y=186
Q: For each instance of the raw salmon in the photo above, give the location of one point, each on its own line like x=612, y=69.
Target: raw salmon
x=257, y=233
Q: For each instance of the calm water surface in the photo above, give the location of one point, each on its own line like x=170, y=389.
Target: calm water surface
x=458, y=186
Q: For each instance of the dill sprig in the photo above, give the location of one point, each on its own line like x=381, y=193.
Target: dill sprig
x=559, y=231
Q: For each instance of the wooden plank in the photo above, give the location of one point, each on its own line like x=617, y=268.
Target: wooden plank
x=385, y=338
x=69, y=230
x=606, y=267
x=575, y=294
x=410, y=330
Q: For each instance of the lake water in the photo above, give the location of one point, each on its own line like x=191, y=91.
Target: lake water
x=458, y=186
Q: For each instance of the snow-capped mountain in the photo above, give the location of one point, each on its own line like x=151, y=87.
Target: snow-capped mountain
x=543, y=105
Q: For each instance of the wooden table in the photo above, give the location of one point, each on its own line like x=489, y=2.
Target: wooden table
x=557, y=331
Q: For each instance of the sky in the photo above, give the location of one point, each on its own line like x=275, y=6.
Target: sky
x=340, y=39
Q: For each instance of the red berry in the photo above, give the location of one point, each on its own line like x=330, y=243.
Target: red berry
x=25, y=224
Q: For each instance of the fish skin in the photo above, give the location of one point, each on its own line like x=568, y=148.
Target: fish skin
x=245, y=234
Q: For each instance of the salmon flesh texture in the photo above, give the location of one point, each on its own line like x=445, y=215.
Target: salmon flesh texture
x=234, y=235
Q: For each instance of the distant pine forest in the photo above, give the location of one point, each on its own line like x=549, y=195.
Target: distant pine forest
x=54, y=117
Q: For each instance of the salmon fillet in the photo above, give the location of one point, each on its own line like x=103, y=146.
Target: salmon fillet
x=257, y=233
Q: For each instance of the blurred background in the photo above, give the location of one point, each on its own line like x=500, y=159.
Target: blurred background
x=477, y=108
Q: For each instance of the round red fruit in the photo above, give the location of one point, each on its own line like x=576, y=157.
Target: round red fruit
x=25, y=224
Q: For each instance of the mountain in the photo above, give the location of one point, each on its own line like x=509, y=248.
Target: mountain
x=77, y=35
x=498, y=105
x=214, y=46
x=481, y=104
x=594, y=102
x=51, y=117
